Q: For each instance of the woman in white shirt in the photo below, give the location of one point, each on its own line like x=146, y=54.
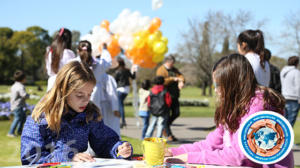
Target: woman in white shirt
x=251, y=44
x=104, y=95
x=58, y=54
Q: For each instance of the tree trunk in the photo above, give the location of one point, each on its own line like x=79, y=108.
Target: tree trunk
x=204, y=85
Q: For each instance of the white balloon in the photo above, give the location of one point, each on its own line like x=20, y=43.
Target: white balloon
x=101, y=32
x=96, y=29
x=106, y=38
x=125, y=13
x=113, y=27
x=125, y=25
x=156, y=4
x=145, y=22
x=125, y=41
x=95, y=49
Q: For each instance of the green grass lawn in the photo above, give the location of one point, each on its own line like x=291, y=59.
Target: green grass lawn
x=10, y=147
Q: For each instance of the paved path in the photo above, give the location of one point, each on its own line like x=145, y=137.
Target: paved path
x=187, y=130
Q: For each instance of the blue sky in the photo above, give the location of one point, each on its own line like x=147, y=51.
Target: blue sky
x=83, y=15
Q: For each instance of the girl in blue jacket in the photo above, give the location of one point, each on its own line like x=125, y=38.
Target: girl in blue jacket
x=64, y=121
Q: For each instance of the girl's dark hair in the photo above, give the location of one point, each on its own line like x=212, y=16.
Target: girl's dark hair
x=159, y=80
x=85, y=52
x=146, y=84
x=254, y=40
x=293, y=61
x=237, y=86
x=170, y=58
x=63, y=40
x=121, y=62
x=268, y=54
x=19, y=75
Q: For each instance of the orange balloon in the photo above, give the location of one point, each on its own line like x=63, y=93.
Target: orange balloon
x=105, y=24
x=154, y=25
x=116, y=37
x=137, y=59
x=130, y=52
x=114, y=48
x=148, y=64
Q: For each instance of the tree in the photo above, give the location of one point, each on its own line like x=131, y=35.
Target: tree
x=31, y=45
x=8, y=60
x=200, y=44
x=37, y=52
x=291, y=33
x=75, y=40
x=278, y=62
x=23, y=40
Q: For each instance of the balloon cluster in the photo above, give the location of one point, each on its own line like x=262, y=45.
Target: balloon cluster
x=139, y=36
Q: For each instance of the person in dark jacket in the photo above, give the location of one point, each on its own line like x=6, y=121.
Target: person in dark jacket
x=122, y=76
x=275, y=82
x=174, y=81
x=159, y=108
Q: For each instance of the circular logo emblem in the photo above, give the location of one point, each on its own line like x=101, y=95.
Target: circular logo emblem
x=266, y=137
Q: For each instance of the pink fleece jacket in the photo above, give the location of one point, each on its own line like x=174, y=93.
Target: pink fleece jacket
x=221, y=147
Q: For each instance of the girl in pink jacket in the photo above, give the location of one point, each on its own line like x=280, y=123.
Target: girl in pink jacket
x=238, y=96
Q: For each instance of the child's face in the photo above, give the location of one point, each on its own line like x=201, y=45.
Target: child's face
x=79, y=98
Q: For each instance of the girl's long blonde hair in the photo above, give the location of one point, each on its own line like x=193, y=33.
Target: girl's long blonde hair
x=53, y=105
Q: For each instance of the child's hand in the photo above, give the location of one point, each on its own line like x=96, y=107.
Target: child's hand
x=134, y=68
x=83, y=157
x=180, y=84
x=168, y=153
x=180, y=159
x=117, y=114
x=124, y=150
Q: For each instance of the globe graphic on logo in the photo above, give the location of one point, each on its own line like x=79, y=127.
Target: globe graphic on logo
x=265, y=138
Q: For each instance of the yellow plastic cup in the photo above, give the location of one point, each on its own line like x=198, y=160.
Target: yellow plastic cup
x=154, y=150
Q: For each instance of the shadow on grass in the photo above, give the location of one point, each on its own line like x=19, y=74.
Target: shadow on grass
x=202, y=128
x=178, y=125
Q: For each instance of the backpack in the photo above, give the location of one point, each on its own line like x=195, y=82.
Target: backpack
x=158, y=105
x=275, y=82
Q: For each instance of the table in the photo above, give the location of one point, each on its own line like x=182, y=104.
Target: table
x=119, y=163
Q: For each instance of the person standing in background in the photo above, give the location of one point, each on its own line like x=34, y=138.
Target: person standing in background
x=290, y=80
x=275, y=82
x=174, y=81
x=104, y=94
x=251, y=44
x=159, y=103
x=122, y=75
x=58, y=54
x=143, y=105
x=17, y=101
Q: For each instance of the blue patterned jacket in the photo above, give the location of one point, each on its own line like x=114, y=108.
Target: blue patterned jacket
x=41, y=145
